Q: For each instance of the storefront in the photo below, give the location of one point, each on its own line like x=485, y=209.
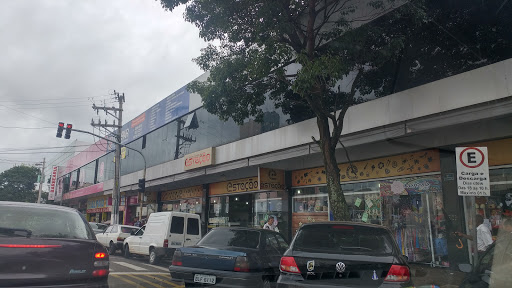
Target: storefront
x=498, y=206
x=149, y=205
x=400, y=192
x=188, y=200
x=99, y=209
x=249, y=202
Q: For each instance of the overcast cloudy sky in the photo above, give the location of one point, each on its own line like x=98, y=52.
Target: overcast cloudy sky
x=55, y=55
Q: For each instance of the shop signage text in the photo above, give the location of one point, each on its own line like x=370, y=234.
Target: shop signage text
x=53, y=183
x=234, y=186
x=198, y=159
x=472, y=171
x=271, y=179
x=190, y=192
x=400, y=165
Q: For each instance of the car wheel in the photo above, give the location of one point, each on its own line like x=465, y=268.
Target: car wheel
x=126, y=251
x=153, y=258
x=266, y=283
x=111, y=248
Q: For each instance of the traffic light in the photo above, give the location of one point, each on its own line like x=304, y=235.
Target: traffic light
x=60, y=128
x=142, y=185
x=68, y=131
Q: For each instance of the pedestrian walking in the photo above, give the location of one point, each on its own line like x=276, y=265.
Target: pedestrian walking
x=483, y=234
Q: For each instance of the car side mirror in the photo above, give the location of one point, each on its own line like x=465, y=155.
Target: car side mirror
x=466, y=268
x=132, y=233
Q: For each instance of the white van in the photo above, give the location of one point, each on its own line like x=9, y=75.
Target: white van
x=162, y=234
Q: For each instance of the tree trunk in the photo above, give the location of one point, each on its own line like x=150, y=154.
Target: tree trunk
x=337, y=203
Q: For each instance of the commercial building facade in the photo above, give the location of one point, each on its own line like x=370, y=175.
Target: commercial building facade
x=401, y=172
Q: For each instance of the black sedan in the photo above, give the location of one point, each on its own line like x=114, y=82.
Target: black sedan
x=49, y=246
x=343, y=254
x=230, y=257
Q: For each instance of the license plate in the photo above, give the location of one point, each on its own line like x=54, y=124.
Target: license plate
x=205, y=279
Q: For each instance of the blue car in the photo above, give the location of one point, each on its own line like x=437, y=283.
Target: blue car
x=230, y=257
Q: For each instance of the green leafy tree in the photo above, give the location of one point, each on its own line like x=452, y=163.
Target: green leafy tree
x=291, y=52
x=17, y=184
x=302, y=53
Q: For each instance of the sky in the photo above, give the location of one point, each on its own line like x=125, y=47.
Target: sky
x=58, y=57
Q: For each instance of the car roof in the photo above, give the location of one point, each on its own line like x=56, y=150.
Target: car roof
x=37, y=206
x=244, y=228
x=348, y=223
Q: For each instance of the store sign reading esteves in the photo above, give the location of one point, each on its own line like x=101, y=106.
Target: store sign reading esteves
x=472, y=171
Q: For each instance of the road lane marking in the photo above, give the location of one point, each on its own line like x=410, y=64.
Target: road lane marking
x=138, y=273
x=126, y=280
x=164, y=281
x=131, y=266
x=145, y=281
x=157, y=267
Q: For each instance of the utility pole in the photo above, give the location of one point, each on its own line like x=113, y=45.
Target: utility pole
x=118, y=114
x=41, y=180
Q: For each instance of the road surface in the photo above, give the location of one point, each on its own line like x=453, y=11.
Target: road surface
x=137, y=272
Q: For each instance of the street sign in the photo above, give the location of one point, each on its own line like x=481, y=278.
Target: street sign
x=472, y=171
x=53, y=183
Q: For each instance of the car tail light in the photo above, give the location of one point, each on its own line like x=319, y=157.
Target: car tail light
x=241, y=264
x=166, y=243
x=100, y=255
x=100, y=273
x=176, y=258
x=288, y=265
x=28, y=246
x=120, y=239
x=398, y=273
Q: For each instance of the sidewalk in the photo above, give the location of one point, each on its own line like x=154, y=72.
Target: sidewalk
x=441, y=277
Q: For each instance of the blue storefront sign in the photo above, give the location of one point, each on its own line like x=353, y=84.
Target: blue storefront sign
x=165, y=111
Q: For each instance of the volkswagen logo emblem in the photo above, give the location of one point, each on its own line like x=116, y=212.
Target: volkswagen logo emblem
x=340, y=267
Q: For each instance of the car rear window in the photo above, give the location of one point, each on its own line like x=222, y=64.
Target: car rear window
x=128, y=229
x=343, y=239
x=44, y=223
x=231, y=238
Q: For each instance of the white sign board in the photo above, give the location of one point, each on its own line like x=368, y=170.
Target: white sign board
x=472, y=171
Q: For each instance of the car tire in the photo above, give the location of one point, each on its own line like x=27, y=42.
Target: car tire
x=112, y=248
x=153, y=258
x=126, y=251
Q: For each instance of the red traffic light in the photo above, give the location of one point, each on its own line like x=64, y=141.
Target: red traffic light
x=69, y=126
x=61, y=124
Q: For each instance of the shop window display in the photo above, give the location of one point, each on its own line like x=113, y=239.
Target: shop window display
x=186, y=206
x=411, y=207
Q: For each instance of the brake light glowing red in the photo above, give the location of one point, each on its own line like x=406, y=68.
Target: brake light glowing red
x=100, y=255
x=120, y=238
x=166, y=243
x=288, y=265
x=28, y=246
x=398, y=273
x=343, y=227
x=100, y=273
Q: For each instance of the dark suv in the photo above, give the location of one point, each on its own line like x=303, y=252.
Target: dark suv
x=49, y=246
x=343, y=254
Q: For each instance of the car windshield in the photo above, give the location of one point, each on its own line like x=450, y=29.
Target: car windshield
x=231, y=238
x=344, y=239
x=45, y=223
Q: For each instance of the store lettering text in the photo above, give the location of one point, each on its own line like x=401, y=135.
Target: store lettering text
x=234, y=187
x=198, y=159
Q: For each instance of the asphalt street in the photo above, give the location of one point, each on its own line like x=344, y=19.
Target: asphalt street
x=137, y=272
